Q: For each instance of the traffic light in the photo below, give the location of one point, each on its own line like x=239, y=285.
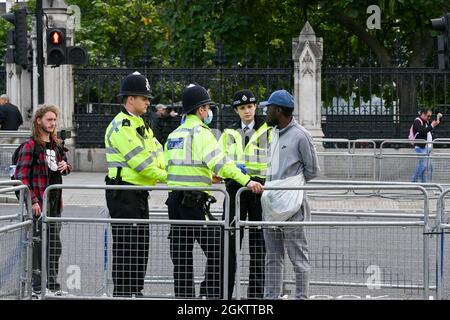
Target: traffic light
x=57, y=51
x=442, y=41
x=56, y=46
x=77, y=55
x=17, y=39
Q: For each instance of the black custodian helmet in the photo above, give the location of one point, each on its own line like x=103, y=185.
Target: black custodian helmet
x=135, y=84
x=194, y=96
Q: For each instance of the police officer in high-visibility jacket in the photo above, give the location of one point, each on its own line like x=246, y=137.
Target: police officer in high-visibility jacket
x=134, y=157
x=193, y=155
x=246, y=142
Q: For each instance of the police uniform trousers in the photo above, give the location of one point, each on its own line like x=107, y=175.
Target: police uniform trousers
x=182, y=239
x=53, y=247
x=250, y=208
x=130, y=242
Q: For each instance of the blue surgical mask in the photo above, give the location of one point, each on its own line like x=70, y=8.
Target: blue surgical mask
x=208, y=119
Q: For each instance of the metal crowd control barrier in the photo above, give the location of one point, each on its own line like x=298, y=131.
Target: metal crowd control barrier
x=16, y=249
x=381, y=164
x=15, y=134
x=9, y=141
x=443, y=230
x=22, y=214
x=97, y=242
x=6, y=152
x=434, y=161
x=400, y=238
x=435, y=191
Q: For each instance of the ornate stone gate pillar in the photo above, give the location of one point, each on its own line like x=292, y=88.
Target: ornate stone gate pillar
x=307, y=55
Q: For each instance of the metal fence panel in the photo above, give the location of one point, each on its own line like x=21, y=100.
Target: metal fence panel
x=86, y=264
x=354, y=262
x=15, y=255
x=91, y=260
x=6, y=152
x=345, y=259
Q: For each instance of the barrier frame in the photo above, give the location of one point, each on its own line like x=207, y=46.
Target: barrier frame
x=425, y=224
x=47, y=219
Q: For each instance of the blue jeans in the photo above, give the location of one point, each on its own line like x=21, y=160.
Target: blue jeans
x=424, y=168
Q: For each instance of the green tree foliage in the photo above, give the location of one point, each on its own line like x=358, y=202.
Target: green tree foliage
x=120, y=28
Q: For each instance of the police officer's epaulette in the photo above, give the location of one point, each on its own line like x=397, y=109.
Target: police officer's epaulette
x=126, y=123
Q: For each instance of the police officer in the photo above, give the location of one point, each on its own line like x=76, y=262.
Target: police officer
x=246, y=142
x=193, y=155
x=134, y=157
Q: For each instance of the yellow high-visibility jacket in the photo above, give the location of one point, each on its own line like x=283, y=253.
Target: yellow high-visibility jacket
x=192, y=154
x=130, y=144
x=254, y=154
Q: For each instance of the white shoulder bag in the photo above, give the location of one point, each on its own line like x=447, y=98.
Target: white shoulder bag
x=280, y=205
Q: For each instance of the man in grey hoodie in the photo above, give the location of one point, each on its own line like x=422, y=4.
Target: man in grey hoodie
x=292, y=152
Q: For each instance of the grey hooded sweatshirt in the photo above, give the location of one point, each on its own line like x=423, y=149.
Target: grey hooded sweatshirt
x=292, y=151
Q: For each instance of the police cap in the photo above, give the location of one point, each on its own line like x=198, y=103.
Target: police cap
x=243, y=97
x=135, y=84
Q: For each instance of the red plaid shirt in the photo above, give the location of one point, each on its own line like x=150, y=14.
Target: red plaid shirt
x=35, y=175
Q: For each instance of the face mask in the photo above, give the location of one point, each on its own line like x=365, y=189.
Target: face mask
x=208, y=119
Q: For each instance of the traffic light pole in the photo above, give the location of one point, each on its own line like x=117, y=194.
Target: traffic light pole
x=40, y=50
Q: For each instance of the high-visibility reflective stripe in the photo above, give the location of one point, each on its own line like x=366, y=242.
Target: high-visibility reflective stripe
x=185, y=178
x=261, y=172
x=211, y=155
x=262, y=159
x=217, y=167
x=182, y=130
x=111, y=150
x=230, y=140
x=118, y=164
x=114, y=126
x=133, y=152
x=196, y=128
x=184, y=163
x=146, y=162
x=141, y=138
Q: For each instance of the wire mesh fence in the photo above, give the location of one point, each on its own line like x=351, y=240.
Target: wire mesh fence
x=6, y=153
x=15, y=253
x=126, y=259
x=344, y=262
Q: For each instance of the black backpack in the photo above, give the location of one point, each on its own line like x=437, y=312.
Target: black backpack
x=15, y=156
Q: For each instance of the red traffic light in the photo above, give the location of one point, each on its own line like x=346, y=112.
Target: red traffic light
x=55, y=37
x=56, y=46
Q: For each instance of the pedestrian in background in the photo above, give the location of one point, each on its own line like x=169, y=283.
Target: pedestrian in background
x=10, y=118
x=292, y=153
x=423, y=130
x=162, y=122
x=192, y=156
x=42, y=162
x=134, y=157
x=246, y=142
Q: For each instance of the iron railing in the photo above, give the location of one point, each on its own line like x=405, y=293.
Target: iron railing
x=96, y=101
